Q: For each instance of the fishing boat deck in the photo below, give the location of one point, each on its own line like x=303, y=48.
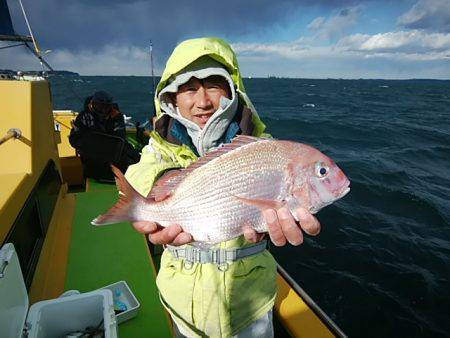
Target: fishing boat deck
x=99, y=256
x=60, y=250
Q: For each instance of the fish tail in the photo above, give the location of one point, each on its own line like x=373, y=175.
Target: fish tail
x=123, y=209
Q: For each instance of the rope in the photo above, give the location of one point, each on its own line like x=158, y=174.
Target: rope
x=11, y=46
x=12, y=133
x=37, y=52
x=29, y=28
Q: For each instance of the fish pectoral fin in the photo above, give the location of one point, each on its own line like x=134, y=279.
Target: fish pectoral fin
x=261, y=203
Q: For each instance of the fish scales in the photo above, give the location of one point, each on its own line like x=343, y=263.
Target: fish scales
x=244, y=172
x=214, y=201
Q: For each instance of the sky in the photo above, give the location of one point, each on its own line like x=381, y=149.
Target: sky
x=287, y=38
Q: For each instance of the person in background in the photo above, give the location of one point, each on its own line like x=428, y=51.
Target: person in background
x=99, y=136
x=201, y=104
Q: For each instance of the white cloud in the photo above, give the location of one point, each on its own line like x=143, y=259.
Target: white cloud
x=109, y=60
x=261, y=50
x=317, y=23
x=336, y=25
x=404, y=54
x=427, y=14
x=406, y=42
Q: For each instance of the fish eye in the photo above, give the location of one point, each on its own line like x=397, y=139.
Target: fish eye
x=321, y=170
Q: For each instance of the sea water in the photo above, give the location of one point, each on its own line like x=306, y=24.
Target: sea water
x=381, y=265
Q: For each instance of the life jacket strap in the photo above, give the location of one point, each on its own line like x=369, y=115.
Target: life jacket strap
x=219, y=257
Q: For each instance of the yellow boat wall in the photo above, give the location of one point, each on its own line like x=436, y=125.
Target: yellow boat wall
x=295, y=314
x=25, y=105
x=72, y=170
x=63, y=125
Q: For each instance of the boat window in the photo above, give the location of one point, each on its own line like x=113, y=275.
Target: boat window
x=30, y=227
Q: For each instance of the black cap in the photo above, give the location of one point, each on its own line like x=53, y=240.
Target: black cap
x=102, y=97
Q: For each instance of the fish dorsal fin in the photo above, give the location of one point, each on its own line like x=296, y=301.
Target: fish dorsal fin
x=168, y=182
x=237, y=142
x=165, y=185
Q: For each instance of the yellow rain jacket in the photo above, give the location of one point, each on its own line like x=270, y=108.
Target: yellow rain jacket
x=203, y=300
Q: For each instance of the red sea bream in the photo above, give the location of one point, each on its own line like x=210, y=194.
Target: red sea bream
x=214, y=198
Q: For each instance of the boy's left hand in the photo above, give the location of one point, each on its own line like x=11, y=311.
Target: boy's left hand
x=283, y=227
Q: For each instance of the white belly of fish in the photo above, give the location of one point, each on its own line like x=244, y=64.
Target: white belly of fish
x=205, y=203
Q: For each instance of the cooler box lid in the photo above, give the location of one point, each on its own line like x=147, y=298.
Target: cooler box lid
x=13, y=294
x=74, y=310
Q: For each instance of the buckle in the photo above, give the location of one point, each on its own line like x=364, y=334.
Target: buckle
x=223, y=267
x=188, y=265
x=231, y=255
x=174, y=252
x=197, y=255
x=189, y=254
x=215, y=256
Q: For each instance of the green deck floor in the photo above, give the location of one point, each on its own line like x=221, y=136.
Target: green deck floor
x=94, y=185
x=103, y=255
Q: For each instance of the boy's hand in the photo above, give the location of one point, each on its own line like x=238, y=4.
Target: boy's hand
x=283, y=227
x=172, y=235
x=252, y=236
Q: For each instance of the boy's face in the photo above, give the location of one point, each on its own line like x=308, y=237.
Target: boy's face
x=198, y=100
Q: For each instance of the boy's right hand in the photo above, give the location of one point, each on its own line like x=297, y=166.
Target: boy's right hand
x=172, y=235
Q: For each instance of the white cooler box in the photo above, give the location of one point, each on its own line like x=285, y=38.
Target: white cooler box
x=54, y=318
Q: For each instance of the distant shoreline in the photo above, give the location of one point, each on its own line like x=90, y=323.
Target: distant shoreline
x=38, y=72
x=289, y=78
x=272, y=78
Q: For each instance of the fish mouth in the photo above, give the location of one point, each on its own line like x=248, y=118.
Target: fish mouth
x=336, y=195
x=344, y=191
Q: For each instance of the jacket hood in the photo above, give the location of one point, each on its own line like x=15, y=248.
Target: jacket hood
x=190, y=50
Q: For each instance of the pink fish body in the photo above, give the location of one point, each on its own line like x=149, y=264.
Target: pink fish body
x=224, y=191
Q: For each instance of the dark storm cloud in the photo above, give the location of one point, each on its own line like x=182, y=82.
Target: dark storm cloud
x=94, y=24
x=336, y=25
x=432, y=15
